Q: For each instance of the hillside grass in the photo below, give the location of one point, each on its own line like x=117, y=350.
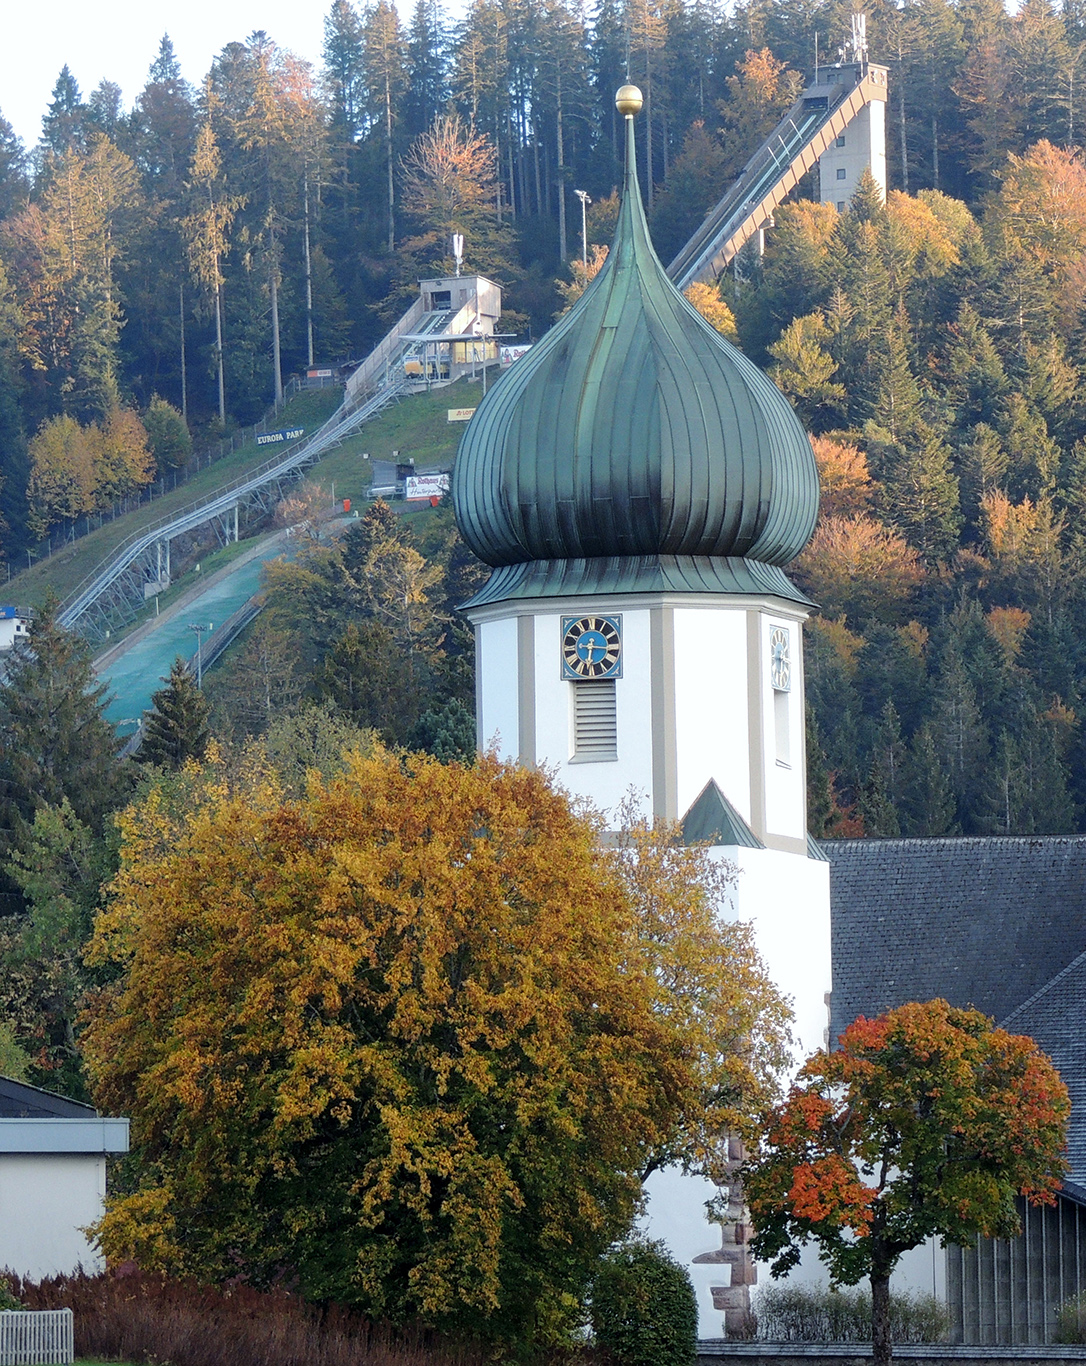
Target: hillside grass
x=69, y=566
x=417, y=426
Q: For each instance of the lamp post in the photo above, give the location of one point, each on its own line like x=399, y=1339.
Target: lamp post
x=200, y=628
x=583, y=196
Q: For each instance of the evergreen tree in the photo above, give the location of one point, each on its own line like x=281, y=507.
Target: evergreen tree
x=927, y=801
x=56, y=743
x=176, y=730
x=62, y=126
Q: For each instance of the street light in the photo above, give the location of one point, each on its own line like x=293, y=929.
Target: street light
x=583, y=196
x=200, y=628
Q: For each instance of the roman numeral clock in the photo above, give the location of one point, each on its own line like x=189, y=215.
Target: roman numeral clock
x=591, y=647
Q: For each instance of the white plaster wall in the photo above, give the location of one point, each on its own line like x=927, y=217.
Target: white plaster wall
x=45, y=1199
x=921, y=1271
x=785, y=785
x=786, y=897
x=711, y=705
x=496, y=643
x=675, y=1214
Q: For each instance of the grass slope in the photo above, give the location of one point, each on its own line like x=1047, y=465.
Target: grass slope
x=67, y=567
x=417, y=426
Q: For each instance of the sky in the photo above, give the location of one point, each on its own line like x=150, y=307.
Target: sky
x=117, y=40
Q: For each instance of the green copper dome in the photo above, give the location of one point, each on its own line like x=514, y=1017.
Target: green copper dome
x=633, y=449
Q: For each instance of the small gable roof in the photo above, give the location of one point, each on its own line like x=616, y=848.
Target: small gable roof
x=1053, y=1017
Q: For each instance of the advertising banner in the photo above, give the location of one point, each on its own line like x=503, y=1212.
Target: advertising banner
x=274, y=438
x=425, y=486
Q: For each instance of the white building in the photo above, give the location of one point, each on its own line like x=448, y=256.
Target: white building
x=638, y=485
x=52, y=1179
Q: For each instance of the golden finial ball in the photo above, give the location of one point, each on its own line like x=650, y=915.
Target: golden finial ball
x=628, y=100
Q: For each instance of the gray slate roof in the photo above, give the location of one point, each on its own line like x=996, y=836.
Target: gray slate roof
x=1054, y=1018
x=984, y=921
x=997, y=923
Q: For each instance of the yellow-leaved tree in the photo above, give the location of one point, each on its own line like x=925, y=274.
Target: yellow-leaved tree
x=414, y=1039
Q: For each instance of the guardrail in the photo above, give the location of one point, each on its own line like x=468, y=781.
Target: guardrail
x=36, y=1337
x=247, y=488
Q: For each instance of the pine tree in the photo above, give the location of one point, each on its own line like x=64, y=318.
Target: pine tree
x=176, y=730
x=427, y=70
x=62, y=126
x=56, y=742
x=927, y=803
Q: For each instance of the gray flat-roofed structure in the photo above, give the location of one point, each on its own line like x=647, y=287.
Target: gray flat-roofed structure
x=53, y=1154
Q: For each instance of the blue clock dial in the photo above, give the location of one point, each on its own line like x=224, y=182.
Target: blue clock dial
x=591, y=647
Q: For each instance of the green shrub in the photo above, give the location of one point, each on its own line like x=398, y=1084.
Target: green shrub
x=643, y=1308
x=801, y=1313
x=1071, y=1319
x=7, y=1299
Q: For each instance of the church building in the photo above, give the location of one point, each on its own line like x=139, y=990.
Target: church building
x=639, y=487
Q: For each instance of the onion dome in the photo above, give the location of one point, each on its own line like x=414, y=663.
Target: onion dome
x=633, y=449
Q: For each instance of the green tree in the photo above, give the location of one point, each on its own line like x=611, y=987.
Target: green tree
x=168, y=435
x=56, y=742
x=644, y=1312
x=924, y=1122
x=176, y=730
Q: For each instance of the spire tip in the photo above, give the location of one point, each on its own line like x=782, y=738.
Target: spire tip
x=628, y=100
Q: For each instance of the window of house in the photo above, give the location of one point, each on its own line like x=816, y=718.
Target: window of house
x=841, y=173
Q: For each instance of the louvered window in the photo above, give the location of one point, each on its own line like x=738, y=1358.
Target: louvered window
x=595, y=723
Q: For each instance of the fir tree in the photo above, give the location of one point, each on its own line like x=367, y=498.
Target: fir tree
x=56, y=742
x=927, y=803
x=176, y=730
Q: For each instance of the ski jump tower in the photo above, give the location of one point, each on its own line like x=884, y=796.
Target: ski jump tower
x=838, y=124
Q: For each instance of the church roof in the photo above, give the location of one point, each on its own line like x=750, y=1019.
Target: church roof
x=712, y=817
x=634, y=449
x=1053, y=1017
x=983, y=922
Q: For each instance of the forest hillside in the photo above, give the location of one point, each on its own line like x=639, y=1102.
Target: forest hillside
x=165, y=267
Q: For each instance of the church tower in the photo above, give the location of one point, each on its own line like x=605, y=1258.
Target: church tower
x=637, y=486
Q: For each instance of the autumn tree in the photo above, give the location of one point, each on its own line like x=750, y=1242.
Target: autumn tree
x=925, y=1122
x=412, y=1036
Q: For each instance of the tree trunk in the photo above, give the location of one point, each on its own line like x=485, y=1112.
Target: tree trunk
x=218, y=347
x=308, y=276
x=389, y=160
x=277, y=362
x=563, y=245
x=184, y=367
x=904, y=135
x=882, y=1346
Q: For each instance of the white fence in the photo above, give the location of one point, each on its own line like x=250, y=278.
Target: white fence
x=36, y=1337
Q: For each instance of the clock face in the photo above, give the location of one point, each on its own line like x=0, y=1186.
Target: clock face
x=591, y=647
x=780, y=660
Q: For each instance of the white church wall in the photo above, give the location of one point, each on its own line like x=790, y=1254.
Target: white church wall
x=711, y=705
x=496, y=663
x=787, y=899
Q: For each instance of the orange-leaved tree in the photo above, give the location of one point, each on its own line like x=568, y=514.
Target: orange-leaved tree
x=413, y=1039
x=925, y=1122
